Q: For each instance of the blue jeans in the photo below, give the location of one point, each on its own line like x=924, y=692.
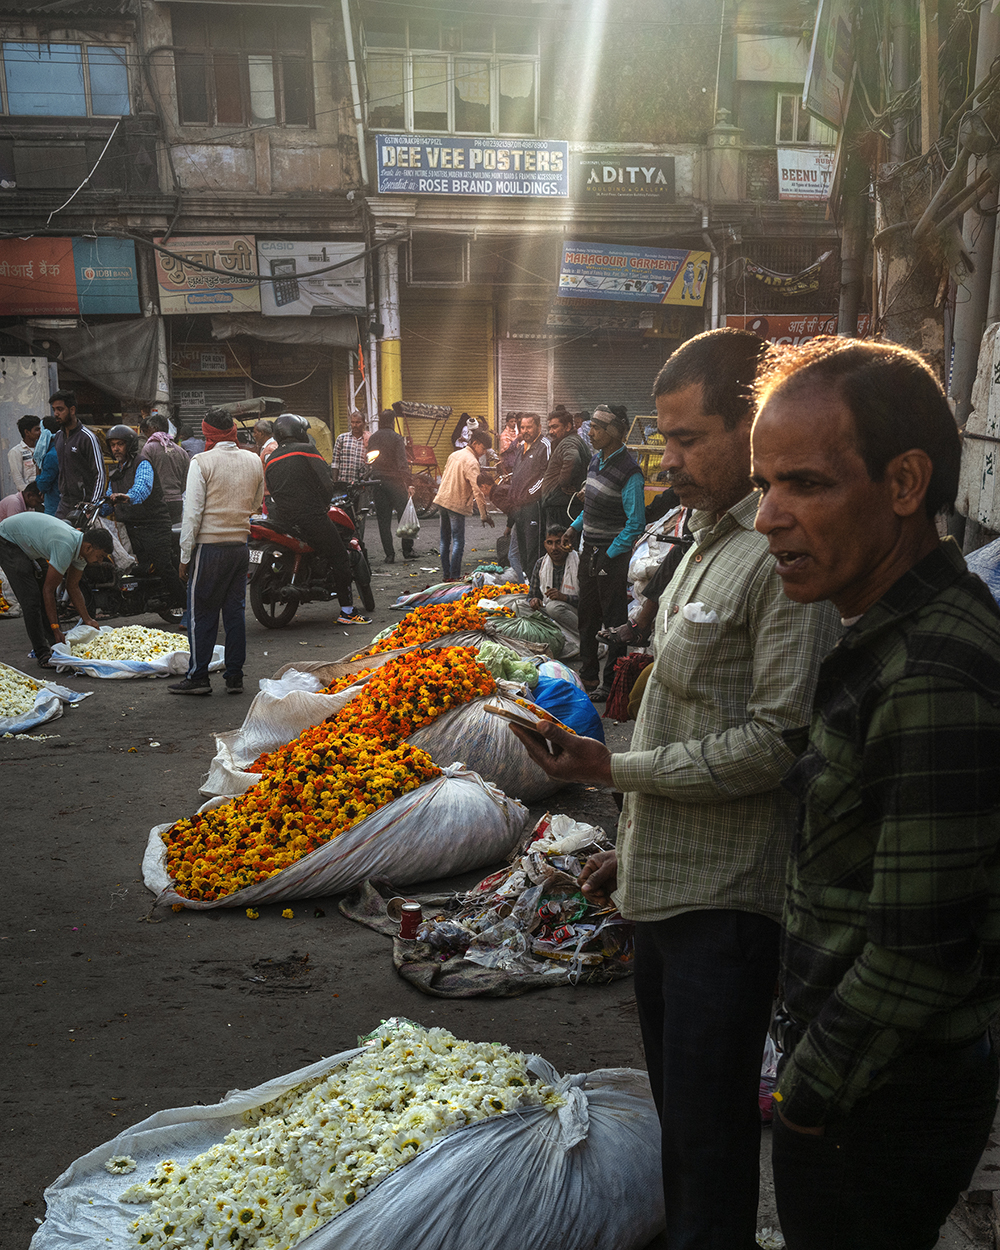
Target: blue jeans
x=452, y=543
x=217, y=583
x=704, y=985
x=886, y=1175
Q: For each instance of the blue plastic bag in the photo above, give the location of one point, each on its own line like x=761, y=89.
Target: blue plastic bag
x=568, y=703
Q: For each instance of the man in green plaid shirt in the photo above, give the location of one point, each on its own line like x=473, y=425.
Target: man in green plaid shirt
x=891, y=949
x=705, y=830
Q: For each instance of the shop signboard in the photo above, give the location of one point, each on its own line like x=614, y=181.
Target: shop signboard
x=310, y=279
x=804, y=173
x=65, y=277
x=789, y=331
x=203, y=360
x=460, y=165
x=206, y=274
x=601, y=176
x=649, y=275
x=830, y=62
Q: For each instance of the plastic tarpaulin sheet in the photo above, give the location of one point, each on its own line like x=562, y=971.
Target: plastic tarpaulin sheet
x=584, y=1174
x=48, y=706
x=170, y=664
x=120, y=357
x=449, y=825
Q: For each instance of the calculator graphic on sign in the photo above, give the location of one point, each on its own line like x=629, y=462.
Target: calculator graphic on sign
x=286, y=286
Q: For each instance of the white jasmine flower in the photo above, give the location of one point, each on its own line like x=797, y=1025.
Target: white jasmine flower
x=120, y=1165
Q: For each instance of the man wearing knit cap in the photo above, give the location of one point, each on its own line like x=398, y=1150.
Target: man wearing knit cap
x=225, y=486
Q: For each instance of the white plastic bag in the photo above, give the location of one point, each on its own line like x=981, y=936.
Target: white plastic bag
x=409, y=523
x=170, y=664
x=48, y=705
x=584, y=1174
x=449, y=825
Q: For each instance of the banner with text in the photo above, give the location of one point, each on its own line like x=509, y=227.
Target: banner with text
x=458, y=165
x=215, y=279
x=804, y=173
x=651, y=275
x=623, y=176
x=63, y=277
x=311, y=279
x=789, y=331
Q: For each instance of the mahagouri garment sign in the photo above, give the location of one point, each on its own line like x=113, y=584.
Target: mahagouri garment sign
x=62, y=277
x=310, y=279
x=651, y=275
x=456, y=165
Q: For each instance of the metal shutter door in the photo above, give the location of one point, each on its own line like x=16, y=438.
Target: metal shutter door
x=524, y=376
x=196, y=394
x=612, y=372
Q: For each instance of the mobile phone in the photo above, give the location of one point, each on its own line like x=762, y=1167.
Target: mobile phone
x=522, y=722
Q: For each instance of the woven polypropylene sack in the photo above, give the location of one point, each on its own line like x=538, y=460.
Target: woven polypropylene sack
x=452, y=824
x=584, y=1174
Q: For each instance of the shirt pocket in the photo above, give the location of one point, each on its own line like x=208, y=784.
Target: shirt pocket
x=705, y=660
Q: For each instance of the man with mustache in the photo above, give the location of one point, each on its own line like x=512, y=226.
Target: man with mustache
x=705, y=829
x=891, y=946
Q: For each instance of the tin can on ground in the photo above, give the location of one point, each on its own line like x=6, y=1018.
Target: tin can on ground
x=410, y=916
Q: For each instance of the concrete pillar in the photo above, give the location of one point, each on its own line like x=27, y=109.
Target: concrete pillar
x=726, y=177
x=390, y=366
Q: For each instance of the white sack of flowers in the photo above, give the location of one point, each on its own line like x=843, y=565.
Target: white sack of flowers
x=452, y=824
x=276, y=716
x=127, y=651
x=484, y=743
x=26, y=703
x=416, y=1139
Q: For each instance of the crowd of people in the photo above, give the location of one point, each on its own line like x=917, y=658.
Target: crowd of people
x=811, y=796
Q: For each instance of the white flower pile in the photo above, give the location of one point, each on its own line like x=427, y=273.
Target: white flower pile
x=130, y=642
x=309, y=1155
x=17, y=693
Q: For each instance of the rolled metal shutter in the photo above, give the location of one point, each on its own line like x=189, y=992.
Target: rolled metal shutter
x=195, y=395
x=524, y=376
x=616, y=371
x=309, y=397
x=447, y=356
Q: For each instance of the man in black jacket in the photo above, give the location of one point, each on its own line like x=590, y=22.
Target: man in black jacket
x=135, y=497
x=300, y=485
x=81, y=461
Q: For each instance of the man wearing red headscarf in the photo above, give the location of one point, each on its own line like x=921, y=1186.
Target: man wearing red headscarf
x=225, y=486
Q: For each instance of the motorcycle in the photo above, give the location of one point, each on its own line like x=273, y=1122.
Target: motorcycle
x=133, y=591
x=285, y=571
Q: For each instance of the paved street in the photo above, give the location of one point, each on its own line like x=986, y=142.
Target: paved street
x=113, y=1013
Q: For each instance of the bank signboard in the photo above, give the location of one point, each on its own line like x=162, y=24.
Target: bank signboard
x=793, y=329
x=60, y=277
x=601, y=176
x=460, y=165
x=650, y=275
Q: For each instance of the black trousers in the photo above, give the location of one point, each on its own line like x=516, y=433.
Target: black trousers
x=528, y=523
x=390, y=496
x=603, y=604
x=153, y=544
x=21, y=571
x=704, y=986
x=323, y=536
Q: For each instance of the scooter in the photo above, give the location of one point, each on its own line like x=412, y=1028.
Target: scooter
x=285, y=571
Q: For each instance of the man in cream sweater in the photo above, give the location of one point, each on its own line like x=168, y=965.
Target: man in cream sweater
x=225, y=486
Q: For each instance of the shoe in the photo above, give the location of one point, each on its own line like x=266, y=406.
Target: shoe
x=600, y=695
x=190, y=687
x=354, y=618
x=390, y=559
x=410, y=556
x=234, y=685
x=45, y=663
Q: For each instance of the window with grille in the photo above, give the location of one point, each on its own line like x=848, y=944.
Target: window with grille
x=245, y=66
x=476, y=78
x=63, y=80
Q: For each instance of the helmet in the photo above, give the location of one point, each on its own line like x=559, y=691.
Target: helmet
x=128, y=436
x=290, y=428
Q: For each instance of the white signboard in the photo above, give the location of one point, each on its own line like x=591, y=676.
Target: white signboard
x=804, y=173
x=310, y=279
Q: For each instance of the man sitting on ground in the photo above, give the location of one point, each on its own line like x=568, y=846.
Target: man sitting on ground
x=554, y=588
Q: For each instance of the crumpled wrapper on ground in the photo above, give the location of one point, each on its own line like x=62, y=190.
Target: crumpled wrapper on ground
x=452, y=824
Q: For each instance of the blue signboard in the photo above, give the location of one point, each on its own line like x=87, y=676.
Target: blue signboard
x=650, y=275
x=459, y=165
x=106, y=280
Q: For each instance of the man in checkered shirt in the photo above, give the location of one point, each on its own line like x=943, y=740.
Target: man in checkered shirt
x=349, y=451
x=705, y=829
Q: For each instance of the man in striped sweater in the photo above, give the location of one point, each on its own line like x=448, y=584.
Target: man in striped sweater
x=82, y=478
x=225, y=486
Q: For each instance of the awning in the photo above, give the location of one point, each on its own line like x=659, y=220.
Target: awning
x=324, y=331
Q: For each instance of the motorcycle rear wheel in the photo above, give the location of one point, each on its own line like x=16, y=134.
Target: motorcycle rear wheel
x=272, y=612
x=171, y=615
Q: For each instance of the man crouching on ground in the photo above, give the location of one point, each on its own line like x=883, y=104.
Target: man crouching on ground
x=891, y=945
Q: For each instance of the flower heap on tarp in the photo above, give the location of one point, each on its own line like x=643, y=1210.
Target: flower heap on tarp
x=310, y=1154
x=432, y=621
x=499, y=592
x=321, y=790
x=130, y=642
x=397, y=699
x=17, y=692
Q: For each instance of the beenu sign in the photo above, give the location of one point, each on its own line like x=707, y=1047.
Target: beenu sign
x=459, y=165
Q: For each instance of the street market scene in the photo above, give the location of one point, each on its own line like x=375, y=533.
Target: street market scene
x=500, y=624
